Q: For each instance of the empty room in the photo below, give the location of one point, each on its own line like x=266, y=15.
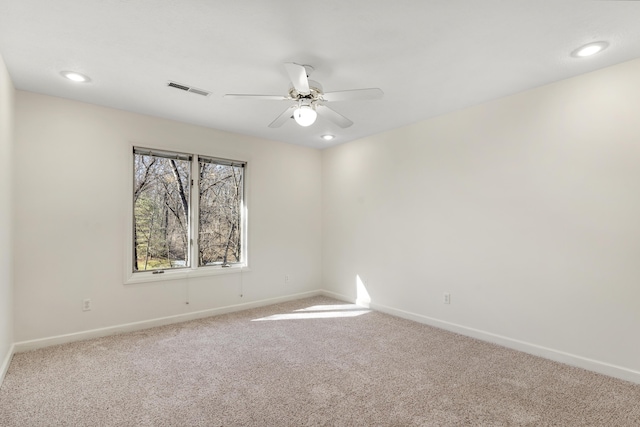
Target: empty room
x=286, y=213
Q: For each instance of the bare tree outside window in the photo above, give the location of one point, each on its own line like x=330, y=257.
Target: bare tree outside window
x=221, y=188
x=162, y=211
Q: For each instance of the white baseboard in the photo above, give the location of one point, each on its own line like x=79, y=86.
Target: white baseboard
x=536, y=350
x=146, y=324
x=548, y=353
x=337, y=296
x=6, y=362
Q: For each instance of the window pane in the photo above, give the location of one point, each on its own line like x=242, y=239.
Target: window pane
x=221, y=192
x=160, y=213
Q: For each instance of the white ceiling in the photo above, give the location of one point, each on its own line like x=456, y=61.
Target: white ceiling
x=428, y=56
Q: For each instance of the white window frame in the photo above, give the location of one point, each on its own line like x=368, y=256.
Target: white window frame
x=193, y=270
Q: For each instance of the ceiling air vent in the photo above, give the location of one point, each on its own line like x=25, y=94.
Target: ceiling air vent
x=188, y=88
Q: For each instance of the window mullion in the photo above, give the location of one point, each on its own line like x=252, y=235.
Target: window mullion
x=194, y=228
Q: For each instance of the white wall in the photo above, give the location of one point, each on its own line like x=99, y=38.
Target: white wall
x=72, y=192
x=525, y=209
x=6, y=207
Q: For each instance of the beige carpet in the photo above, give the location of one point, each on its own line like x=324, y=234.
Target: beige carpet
x=312, y=362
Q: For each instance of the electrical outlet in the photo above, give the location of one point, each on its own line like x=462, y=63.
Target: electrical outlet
x=287, y=278
x=86, y=304
x=446, y=298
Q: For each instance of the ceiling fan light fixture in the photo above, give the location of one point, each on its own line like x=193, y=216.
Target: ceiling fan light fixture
x=310, y=99
x=304, y=115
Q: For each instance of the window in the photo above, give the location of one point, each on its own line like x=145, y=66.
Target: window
x=177, y=196
x=220, y=202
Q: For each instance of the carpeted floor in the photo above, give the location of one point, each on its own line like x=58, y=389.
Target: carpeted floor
x=311, y=362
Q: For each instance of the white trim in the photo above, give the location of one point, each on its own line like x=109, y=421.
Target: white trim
x=183, y=273
x=146, y=324
x=340, y=297
x=537, y=350
x=193, y=271
x=534, y=349
x=6, y=362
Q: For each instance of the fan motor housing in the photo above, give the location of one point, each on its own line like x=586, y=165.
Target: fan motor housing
x=314, y=87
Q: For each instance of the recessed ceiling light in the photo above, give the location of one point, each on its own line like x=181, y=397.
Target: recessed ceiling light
x=590, y=49
x=327, y=137
x=76, y=77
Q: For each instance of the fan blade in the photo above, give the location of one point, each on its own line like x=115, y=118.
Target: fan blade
x=282, y=118
x=258, y=97
x=333, y=116
x=298, y=76
x=353, y=95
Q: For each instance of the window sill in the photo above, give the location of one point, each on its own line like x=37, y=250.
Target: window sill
x=182, y=274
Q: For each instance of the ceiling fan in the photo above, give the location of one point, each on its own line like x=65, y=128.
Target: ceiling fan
x=309, y=99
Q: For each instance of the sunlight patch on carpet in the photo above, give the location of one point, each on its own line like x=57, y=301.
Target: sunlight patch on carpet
x=320, y=312
x=333, y=307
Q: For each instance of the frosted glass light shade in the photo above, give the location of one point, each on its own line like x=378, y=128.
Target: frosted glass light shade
x=305, y=115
